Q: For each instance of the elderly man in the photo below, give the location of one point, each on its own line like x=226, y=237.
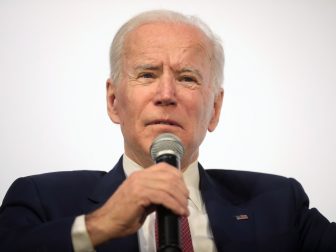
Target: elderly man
x=166, y=74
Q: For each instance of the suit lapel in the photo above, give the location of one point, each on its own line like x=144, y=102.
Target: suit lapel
x=107, y=185
x=230, y=228
x=232, y=225
x=104, y=189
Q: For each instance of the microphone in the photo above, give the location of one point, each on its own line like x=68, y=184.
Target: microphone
x=167, y=148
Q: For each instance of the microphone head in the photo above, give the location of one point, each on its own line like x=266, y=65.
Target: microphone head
x=166, y=143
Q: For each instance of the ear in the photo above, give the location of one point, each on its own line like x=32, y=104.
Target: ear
x=112, y=101
x=218, y=101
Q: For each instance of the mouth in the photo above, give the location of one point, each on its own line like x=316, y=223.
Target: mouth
x=164, y=122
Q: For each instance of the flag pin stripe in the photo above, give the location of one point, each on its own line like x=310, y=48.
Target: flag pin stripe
x=242, y=217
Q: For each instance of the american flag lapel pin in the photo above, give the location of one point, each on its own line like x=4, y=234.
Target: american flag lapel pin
x=242, y=217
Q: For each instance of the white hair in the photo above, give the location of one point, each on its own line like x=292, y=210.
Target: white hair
x=117, y=46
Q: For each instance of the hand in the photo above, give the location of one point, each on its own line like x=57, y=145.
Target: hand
x=126, y=210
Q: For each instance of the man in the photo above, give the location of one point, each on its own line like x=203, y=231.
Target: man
x=166, y=74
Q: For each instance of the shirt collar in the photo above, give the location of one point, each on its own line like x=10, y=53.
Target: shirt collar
x=190, y=176
x=130, y=166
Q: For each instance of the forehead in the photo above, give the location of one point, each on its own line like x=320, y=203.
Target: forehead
x=162, y=37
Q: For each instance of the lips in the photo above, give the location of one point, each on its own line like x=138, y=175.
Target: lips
x=164, y=122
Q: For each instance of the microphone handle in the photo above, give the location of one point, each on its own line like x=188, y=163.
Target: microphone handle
x=168, y=222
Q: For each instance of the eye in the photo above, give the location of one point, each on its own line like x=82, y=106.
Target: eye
x=147, y=75
x=187, y=78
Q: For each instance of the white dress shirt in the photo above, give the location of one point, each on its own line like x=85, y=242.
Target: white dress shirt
x=200, y=231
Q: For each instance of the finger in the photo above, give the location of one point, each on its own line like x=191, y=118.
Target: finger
x=174, y=189
x=159, y=184
x=169, y=174
x=165, y=199
x=165, y=181
x=146, y=197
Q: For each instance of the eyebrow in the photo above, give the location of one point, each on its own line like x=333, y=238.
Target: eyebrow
x=147, y=67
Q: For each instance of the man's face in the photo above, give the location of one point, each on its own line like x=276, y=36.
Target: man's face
x=165, y=87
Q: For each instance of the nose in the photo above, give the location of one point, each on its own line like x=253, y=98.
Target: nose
x=166, y=91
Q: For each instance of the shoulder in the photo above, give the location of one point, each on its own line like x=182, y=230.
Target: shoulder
x=54, y=184
x=66, y=177
x=248, y=185
x=247, y=177
x=67, y=180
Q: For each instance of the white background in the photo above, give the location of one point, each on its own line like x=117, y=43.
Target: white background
x=280, y=83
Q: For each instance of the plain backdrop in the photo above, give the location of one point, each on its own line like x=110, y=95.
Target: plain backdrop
x=280, y=82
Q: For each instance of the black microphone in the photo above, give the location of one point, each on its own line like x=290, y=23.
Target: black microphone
x=168, y=148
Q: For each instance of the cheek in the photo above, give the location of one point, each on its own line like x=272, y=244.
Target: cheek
x=132, y=107
x=200, y=105
x=202, y=112
x=196, y=118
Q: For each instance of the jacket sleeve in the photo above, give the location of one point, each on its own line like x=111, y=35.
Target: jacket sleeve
x=316, y=232
x=26, y=225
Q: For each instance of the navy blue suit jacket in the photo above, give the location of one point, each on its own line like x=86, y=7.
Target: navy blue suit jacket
x=38, y=212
